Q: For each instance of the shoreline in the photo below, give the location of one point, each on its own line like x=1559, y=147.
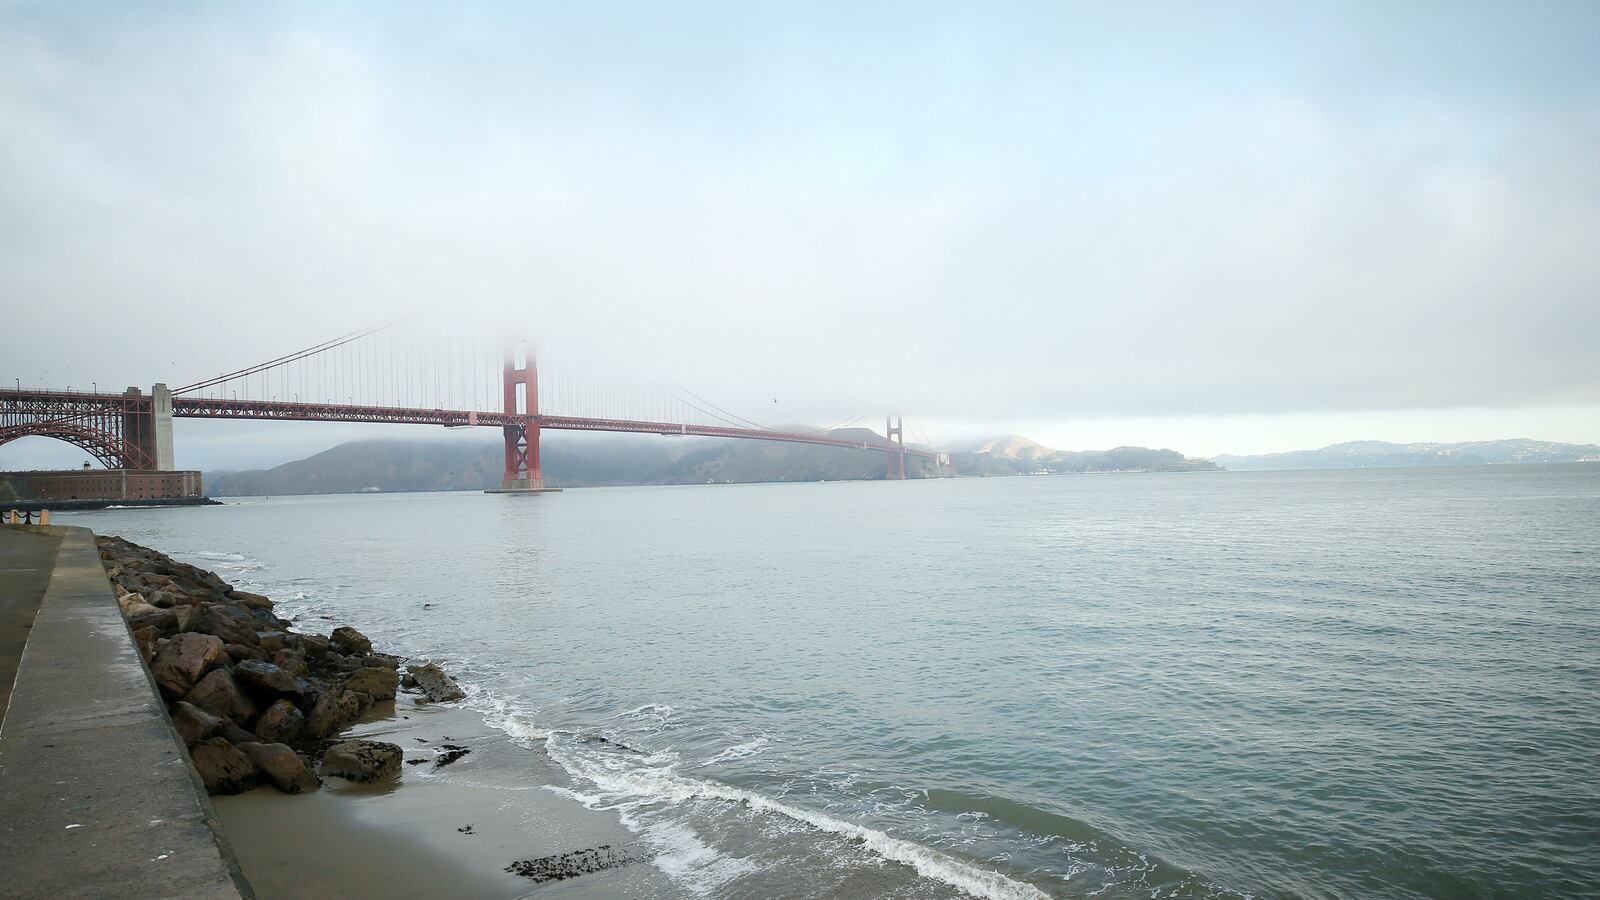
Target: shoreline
x=372, y=769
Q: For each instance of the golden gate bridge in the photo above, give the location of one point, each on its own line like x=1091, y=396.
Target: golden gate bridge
x=381, y=375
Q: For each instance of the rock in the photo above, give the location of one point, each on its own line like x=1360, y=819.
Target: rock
x=242, y=652
x=364, y=761
x=282, y=767
x=315, y=646
x=145, y=640
x=220, y=694
x=439, y=687
x=187, y=617
x=561, y=866
x=255, y=601
x=333, y=713
x=223, y=767
x=182, y=662
x=350, y=642
x=408, y=680
x=143, y=615
x=194, y=724
x=271, y=641
x=267, y=680
x=377, y=682
x=162, y=599
x=235, y=735
x=292, y=661
x=382, y=660
x=281, y=723
x=231, y=623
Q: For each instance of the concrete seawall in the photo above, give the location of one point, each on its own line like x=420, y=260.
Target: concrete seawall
x=98, y=795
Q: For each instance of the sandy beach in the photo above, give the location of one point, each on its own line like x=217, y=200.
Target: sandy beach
x=434, y=831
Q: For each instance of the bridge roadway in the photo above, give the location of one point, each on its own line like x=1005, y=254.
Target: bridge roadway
x=217, y=408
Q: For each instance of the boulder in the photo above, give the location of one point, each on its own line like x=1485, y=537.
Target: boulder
x=383, y=660
x=364, y=761
x=145, y=640
x=235, y=735
x=143, y=615
x=162, y=599
x=292, y=661
x=334, y=713
x=183, y=660
x=255, y=601
x=271, y=641
x=194, y=724
x=439, y=687
x=187, y=617
x=221, y=694
x=350, y=642
x=375, y=681
x=315, y=646
x=223, y=767
x=263, y=679
x=282, y=767
x=242, y=652
x=231, y=623
x=281, y=723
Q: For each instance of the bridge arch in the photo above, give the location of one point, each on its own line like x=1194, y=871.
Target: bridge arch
x=108, y=449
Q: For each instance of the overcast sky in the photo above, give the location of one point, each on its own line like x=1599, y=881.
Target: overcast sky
x=1214, y=227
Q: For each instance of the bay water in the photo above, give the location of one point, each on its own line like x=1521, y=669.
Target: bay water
x=1300, y=684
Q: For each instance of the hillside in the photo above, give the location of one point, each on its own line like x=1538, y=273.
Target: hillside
x=394, y=465
x=1381, y=454
x=1017, y=455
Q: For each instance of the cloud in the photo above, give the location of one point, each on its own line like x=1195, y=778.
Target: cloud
x=1007, y=217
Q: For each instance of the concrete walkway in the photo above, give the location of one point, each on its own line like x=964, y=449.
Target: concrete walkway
x=97, y=793
x=26, y=560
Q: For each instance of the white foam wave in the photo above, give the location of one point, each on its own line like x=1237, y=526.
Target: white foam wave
x=615, y=776
x=738, y=751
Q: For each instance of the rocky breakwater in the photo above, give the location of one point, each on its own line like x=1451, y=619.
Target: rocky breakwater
x=254, y=700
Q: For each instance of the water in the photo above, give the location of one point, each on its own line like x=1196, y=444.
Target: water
x=1320, y=684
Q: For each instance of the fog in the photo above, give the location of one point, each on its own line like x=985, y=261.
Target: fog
x=1231, y=228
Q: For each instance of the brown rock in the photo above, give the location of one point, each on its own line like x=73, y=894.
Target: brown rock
x=350, y=642
x=315, y=646
x=382, y=660
x=162, y=599
x=231, y=623
x=271, y=641
x=255, y=601
x=186, y=617
x=364, y=761
x=282, y=767
x=183, y=660
x=219, y=693
x=194, y=724
x=281, y=723
x=241, y=652
x=266, y=680
x=223, y=767
x=235, y=735
x=292, y=661
x=143, y=615
x=334, y=713
x=439, y=687
x=378, y=683
x=145, y=639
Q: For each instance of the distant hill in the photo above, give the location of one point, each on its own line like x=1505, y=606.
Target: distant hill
x=1017, y=455
x=1381, y=454
x=396, y=465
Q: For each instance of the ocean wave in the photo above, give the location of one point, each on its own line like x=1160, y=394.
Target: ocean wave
x=738, y=751
x=615, y=776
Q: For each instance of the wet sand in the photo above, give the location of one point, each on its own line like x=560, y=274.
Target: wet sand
x=411, y=838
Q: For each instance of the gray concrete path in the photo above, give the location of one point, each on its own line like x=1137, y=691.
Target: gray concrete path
x=97, y=797
x=26, y=559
